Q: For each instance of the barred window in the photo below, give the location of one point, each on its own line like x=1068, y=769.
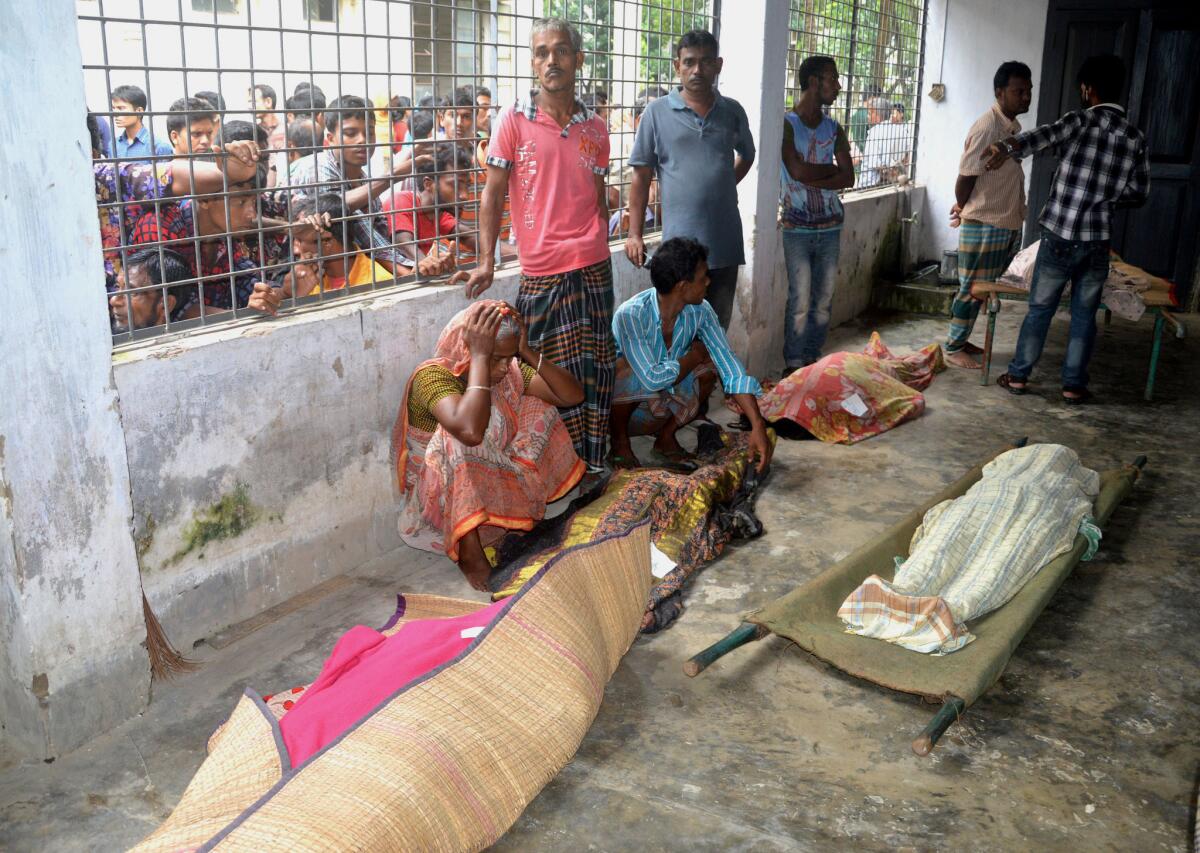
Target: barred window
x=878, y=45
x=372, y=117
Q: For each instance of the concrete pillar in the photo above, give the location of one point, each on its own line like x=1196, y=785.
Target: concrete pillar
x=757, y=79
x=72, y=663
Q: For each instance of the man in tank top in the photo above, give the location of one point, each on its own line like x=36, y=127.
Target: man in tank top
x=816, y=164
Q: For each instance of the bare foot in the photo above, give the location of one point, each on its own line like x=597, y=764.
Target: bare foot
x=476, y=575
x=473, y=561
x=622, y=458
x=972, y=349
x=963, y=359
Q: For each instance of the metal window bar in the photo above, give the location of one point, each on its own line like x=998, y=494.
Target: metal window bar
x=233, y=236
x=878, y=46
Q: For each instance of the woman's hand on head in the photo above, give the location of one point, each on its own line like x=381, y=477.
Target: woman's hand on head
x=480, y=327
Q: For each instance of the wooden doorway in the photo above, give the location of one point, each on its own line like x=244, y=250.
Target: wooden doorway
x=1160, y=44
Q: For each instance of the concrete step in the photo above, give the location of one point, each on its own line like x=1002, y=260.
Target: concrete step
x=915, y=297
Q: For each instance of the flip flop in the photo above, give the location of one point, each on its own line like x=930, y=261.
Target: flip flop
x=1084, y=396
x=1006, y=382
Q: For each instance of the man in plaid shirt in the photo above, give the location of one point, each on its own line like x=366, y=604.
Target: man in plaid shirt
x=1104, y=164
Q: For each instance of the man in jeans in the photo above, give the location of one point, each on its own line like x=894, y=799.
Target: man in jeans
x=989, y=208
x=816, y=164
x=699, y=144
x=1104, y=164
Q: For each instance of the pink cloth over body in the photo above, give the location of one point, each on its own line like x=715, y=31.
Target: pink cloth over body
x=365, y=668
x=552, y=186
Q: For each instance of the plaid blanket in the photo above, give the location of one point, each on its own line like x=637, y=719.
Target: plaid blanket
x=972, y=554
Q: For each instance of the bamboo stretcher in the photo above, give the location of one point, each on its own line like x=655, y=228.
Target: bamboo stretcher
x=1158, y=304
x=808, y=616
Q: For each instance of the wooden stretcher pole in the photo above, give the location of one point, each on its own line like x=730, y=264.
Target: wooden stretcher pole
x=993, y=308
x=747, y=632
x=951, y=710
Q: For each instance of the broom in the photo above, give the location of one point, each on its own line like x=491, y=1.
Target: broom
x=165, y=661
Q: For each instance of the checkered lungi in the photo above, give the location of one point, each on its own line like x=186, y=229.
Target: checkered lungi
x=984, y=253
x=570, y=321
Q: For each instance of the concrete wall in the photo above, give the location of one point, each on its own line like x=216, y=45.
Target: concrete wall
x=71, y=628
x=980, y=36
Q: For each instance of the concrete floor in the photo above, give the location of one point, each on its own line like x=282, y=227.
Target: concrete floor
x=1087, y=742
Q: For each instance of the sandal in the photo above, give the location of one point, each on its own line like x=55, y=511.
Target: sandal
x=1006, y=381
x=1083, y=396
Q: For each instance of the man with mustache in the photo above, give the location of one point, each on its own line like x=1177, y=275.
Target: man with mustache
x=550, y=153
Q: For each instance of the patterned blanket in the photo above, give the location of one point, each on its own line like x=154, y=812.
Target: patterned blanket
x=972, y=554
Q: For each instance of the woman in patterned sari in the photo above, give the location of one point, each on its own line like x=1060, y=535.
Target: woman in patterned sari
x=481, y=448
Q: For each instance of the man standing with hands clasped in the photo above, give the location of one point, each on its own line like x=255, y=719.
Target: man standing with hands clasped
x=698, y=143
x=816, y=164
x=550, y=153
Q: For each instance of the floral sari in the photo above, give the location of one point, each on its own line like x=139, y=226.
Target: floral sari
x=847, y=397
x=525, y=461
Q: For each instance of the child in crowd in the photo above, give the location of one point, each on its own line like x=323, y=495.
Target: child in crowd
x=419, y=218
x=330, y=250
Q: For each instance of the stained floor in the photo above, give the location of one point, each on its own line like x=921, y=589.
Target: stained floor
x=1088, y=742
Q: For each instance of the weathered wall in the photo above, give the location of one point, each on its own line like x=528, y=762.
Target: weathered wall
x=980, y=36
x=71, y=628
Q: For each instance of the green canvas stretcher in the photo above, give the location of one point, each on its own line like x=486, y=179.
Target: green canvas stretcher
x=808, y=616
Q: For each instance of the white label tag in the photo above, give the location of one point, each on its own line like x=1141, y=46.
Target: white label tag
x=660, y=564
x=471, y=633
x=854, y=405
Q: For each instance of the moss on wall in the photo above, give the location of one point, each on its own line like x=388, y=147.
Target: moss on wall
x=228, y=518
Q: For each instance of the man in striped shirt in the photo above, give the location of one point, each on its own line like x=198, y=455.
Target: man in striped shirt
x=669, y=343
x=989, y=207
x=1104, y=165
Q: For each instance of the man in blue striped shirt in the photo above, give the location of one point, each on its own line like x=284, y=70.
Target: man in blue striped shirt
x=669, y=345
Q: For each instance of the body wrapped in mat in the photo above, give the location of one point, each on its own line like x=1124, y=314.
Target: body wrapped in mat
x=446, y=761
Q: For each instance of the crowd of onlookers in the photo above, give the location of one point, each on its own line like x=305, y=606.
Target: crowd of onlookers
x=305, y=199
x=316, y=195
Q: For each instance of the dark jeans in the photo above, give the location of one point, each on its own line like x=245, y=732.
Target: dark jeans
x=1085, y=265
x=722, y=287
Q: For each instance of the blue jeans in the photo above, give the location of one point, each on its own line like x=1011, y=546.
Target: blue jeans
x=811, y=258
x=1085, y=265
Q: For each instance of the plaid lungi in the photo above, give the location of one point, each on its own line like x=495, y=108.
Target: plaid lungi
x=570, y=322
x=984, y=253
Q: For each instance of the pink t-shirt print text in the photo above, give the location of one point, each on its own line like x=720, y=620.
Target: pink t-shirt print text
x=553, y=190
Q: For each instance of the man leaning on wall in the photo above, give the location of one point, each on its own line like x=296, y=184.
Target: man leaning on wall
x=989, y=207
x=698, y=142
x=816, y=164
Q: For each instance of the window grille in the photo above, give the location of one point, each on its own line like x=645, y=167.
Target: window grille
x=232, y=51
x=878, y=45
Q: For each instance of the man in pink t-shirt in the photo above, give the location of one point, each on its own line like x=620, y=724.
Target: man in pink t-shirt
x=550, y=153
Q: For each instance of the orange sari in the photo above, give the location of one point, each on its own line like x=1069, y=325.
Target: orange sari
x=525, y=461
